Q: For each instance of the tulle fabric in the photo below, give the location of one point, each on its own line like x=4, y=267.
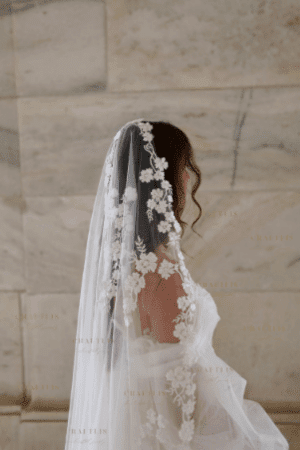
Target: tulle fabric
x=224, y=420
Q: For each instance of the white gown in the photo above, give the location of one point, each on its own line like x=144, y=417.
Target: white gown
x=223, y=419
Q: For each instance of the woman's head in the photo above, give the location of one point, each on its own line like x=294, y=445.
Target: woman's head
x=173, y=144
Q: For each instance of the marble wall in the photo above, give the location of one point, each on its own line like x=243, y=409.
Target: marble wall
x=71, y=74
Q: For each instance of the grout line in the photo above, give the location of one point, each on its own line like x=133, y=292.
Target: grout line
x=171, y=90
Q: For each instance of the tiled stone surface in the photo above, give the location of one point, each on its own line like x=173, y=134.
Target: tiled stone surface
x=49, y=325
x=9, y=432
x=258, y=336
x=42, y=436
x=10, y=179
x=11, y=387
x=192, y=44
x=11, y=243
x=59, y=47
x=245, y=144
x=155, y=46
x=7, y=60
x=249, y=241
x=56, y=231
x=267, y=154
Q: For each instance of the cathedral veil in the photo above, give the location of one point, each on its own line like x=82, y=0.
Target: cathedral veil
x=130, y=390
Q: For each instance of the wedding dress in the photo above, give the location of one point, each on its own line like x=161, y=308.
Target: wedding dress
x=130, y=391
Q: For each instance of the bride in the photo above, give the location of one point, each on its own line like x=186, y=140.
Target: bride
x=145, y=374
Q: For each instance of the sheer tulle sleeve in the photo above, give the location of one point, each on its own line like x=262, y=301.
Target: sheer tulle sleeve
x=145, y=298
x=164, y=308
x=158, y=305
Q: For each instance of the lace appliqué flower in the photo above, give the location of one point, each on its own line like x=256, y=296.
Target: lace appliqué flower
x=155, y=421
x=182, y=378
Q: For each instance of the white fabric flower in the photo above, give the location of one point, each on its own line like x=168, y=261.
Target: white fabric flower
x=130, y=194
x=169, y=216
x=190, y=389
x=161, y=163
x=170, y=375
x=188, y=407
x=136, y=282
x=157, y=194
x=162, y=206
x=187, y=430
x=183, y=331
x=176, y=384
x=180, y=330
x=146, y=127
x=151, y=203
x=179, y=373
x=160, y=421
x=166, y=269
x=159, y=175
x=111, y=212
x=165, y=184
x=151, y=415
x=164, y=226
x=183, y=302
x=114, y=192
x=146, y=263
x=187, y=287
x=148, y=137
x=146, y=175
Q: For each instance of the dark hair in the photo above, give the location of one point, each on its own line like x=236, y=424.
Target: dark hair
x=173, y=144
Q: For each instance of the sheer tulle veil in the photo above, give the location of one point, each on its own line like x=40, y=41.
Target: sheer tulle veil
x=130, y=391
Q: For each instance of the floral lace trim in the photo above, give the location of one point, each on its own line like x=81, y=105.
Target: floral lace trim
x=154, y=428
x=181, y=376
